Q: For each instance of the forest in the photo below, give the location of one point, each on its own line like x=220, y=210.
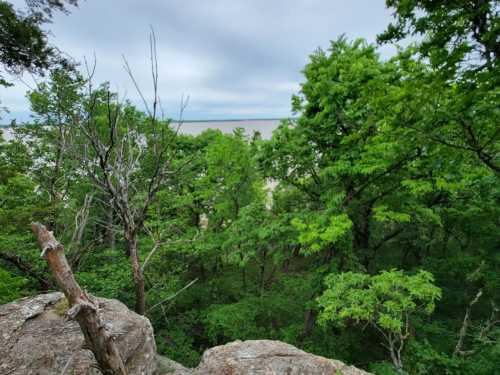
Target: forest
x=366, y=229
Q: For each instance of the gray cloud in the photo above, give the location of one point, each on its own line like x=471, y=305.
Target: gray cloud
x=236, y=59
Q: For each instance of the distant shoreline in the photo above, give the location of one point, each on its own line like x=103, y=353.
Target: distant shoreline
x=264, y=126
x=206, y=121
x=235, y=120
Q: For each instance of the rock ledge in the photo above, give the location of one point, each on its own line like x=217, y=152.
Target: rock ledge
x=266, y=357
x=35, y=339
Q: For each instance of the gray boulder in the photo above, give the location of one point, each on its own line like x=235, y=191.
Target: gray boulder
x=165, y=366
x=266, y=357
x=35, y=339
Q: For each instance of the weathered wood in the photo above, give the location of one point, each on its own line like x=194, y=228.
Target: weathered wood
x=83, y=307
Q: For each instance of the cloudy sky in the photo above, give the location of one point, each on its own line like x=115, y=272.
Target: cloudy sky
x=234, y=58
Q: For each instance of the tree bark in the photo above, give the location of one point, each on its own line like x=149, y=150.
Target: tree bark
x=465, y=325
x=395, y=354
x=140, y=294
x=83, y=307
x=110, y=230
x=309, y=323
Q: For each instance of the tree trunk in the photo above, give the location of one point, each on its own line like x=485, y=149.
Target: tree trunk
x=81, y=219
x=140, y=294
x=361, y=234
x=262, y=272
x=465, y=325
x=396, y=361
x=110, y=230
x=309, y=322
x=395, y=353
x=244, y=278
x=83, y=308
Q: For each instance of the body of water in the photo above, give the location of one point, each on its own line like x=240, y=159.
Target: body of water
x=264, y=127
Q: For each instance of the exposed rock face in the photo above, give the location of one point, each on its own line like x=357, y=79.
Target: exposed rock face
x=36, y=340
x=165, y=366
x=265, y=357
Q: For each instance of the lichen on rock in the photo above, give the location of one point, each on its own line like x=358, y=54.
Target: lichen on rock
x=36, y=339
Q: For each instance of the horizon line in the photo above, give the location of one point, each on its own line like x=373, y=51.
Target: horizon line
x=204, y=120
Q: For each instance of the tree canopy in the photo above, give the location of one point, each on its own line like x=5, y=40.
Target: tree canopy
x=24, y=44
x=366, y=228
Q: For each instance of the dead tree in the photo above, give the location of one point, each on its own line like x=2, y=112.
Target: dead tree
x=485, y=328
x=83, y=307
x=128, y=161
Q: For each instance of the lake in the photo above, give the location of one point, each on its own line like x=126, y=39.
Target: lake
x=265, y=127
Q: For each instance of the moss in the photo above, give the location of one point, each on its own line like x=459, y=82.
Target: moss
x=61, y=306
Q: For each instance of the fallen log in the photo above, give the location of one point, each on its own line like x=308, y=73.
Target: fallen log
x=83, y=307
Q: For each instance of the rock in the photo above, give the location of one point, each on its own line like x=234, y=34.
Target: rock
x=265, y=357
x=36, y=340
x=165, y=366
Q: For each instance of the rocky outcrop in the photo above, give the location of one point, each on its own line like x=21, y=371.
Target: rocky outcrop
x=165, y=366
x=35, y=339
x=265, y=357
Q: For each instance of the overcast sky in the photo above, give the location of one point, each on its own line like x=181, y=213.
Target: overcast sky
x=234, y=58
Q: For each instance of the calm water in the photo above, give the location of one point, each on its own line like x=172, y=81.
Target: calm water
x=264, y=127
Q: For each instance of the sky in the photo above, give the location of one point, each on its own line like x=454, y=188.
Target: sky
x=235, y=59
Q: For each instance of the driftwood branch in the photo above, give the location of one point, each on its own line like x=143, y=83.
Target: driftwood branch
x=83, y=308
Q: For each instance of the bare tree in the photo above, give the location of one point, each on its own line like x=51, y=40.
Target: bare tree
x=129, y=159
x=81, y=219
x=465, y=325
x=484, y=330
x=83, y=307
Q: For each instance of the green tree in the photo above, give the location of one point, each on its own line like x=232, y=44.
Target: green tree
x=450, y=32
x=387, y=302
x=23, y=42
x=460, y=89
x=11, y=287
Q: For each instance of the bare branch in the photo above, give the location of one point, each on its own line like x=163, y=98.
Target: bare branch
x=465, y=325
x=173, y=295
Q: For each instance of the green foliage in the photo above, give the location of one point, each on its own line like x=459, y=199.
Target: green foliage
x=23, y=42
x=386, y=300
x=423, y=358
x=383, y=368
x=232, y=321
x=11, y=286
x=389, y=167
x=111, y=280
x=451, y=31
x=315, y=237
